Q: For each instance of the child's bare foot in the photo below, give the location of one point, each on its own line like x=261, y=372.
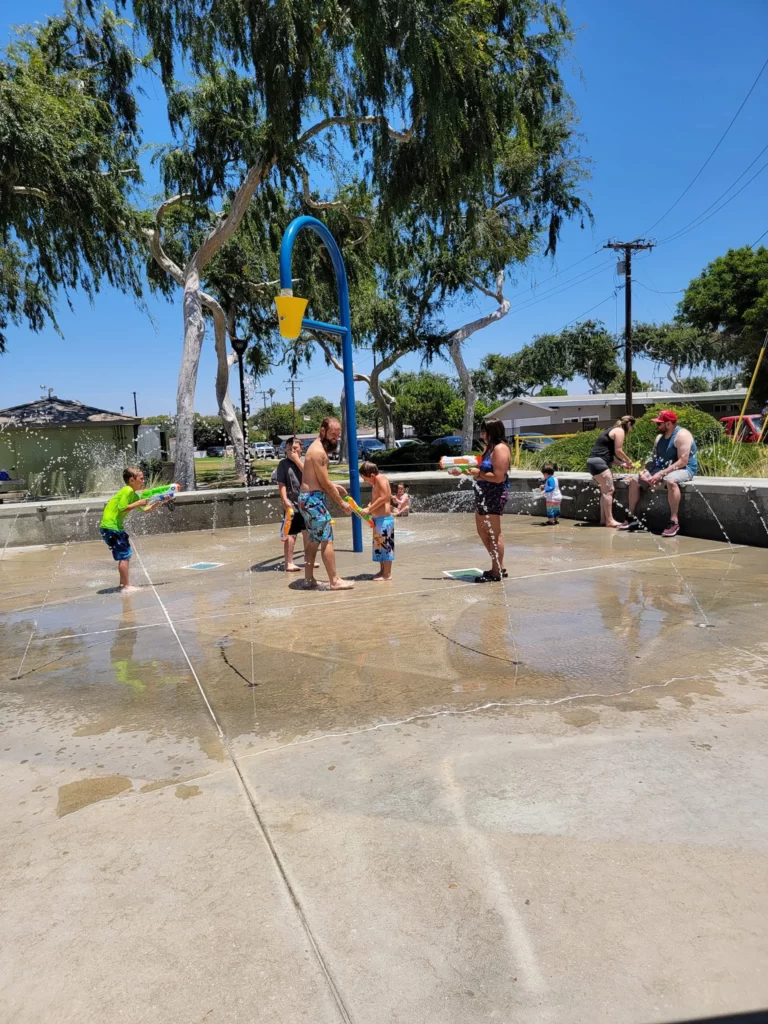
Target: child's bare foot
x=613, y=525
x=293, y=567
x=129, y=590
x=340, y=584
x=310, y=584
x=379, y=577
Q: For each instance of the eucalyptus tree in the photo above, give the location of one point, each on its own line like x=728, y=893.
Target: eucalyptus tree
x=418, y=93
x=69, y=147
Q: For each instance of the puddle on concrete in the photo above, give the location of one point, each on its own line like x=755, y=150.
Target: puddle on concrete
x=76, y=795
x=186, y=792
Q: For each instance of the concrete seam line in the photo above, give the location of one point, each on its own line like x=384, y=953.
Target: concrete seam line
x=181, y=645
x=344, y=1013
x=427, y=592
x=40, y=611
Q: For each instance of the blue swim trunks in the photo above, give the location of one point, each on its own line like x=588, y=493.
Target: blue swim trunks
x=118, y=542
x=384, y=538
x=316, y=516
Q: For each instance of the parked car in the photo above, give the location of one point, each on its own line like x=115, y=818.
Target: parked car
x=403, y=441
x=534, y=442
x=450, y=441
x=215, y=453
x=263, y=450
x=366, y=445
x=749, y=430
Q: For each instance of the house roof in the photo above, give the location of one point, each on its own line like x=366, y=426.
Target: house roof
x=61, y=412
x=640, y=397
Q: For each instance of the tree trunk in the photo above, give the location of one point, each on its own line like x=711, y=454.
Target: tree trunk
x=384, y=406
x=470, y=397
x=455, y=340
x=223, y=398
x=194, y=332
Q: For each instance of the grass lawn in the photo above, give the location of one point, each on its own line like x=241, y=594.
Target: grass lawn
x=210, y=472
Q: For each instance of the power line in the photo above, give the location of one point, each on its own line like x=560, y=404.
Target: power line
x=693, y=226
x=759, y=239
x=717, y=146
x=600, y=303
x=658, y=292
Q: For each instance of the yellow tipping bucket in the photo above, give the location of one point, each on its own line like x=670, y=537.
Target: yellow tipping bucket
x=290, y=313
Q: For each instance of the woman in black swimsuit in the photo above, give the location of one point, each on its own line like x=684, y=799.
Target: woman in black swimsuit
x=491, y=487
x=609, y=447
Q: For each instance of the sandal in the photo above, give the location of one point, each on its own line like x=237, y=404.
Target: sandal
x=489, y=575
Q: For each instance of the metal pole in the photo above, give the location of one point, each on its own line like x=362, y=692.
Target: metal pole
x=135, y=406
x=243, y=407
x=628, y=330
x=737, y=428
x=345, y=330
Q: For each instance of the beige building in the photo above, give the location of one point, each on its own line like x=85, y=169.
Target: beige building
x=570, y=414
x=61, y=447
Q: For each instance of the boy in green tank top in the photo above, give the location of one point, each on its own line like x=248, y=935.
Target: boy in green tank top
x=111, y=527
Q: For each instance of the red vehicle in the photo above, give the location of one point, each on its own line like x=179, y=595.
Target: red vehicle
x=749, y=430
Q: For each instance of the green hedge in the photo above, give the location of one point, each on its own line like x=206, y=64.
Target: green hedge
x=571, y=454
x=413, y=456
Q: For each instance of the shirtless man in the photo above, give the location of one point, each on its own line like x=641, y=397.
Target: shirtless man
x=316, y=487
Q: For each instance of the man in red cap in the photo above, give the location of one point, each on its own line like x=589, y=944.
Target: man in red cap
x=673, y=462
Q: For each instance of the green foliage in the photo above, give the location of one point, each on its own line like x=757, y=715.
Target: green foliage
x=730, y=301
x=165, y=423
x=618, y=384
x=705, y=429
x=550, y=391
x=69, y=146
x=317, y=409
x=277, y=419
x=571, y=453
x=425, y=400
x=690, y=385
x=413, y=456
x=465, y=73
x=209, y=432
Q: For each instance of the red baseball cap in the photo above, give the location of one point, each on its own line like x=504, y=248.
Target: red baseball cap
x=666, y=416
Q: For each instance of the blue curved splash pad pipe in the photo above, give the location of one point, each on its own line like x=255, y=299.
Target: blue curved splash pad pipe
x=343, y=330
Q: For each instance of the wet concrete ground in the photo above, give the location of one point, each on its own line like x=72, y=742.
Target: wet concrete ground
x=228, y=799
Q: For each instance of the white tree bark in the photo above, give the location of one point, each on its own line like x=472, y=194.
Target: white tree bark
x=455, y=341
x=385, y=402
x=224, y=363
x=188, y=373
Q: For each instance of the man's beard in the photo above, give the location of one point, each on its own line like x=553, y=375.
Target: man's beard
x=328, y=445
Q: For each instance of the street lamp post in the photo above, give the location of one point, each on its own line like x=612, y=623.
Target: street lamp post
x=239, y=345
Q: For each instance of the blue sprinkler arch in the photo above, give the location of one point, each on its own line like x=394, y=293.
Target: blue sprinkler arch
x=343, y=330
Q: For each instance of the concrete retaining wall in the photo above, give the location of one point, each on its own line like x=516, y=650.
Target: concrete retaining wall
x=738, y=504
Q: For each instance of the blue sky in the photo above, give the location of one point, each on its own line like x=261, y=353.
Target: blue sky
x=655, y=86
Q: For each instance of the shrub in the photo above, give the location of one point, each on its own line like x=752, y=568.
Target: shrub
x=571, y=453
x=413, y=456
x=705, y=429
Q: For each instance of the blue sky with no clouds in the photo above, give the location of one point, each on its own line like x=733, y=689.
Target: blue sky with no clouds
x=655, y=85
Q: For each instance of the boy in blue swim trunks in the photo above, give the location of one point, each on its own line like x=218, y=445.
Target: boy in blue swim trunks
x=380, y=507
x=111, y=527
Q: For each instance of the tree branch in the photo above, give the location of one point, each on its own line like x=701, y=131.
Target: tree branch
x=25, y=190
x=155, y=242
x=229, y=224
x=329, y=122
x=336, y=204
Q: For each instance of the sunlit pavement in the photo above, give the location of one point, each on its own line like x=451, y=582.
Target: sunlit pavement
x=225, y=798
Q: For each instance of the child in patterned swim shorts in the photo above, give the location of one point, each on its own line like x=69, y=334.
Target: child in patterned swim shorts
x=380, y=507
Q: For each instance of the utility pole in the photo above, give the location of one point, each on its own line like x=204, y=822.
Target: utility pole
x=266, y=411
x=135, y=406
x=292, y=382
x=628, y=248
